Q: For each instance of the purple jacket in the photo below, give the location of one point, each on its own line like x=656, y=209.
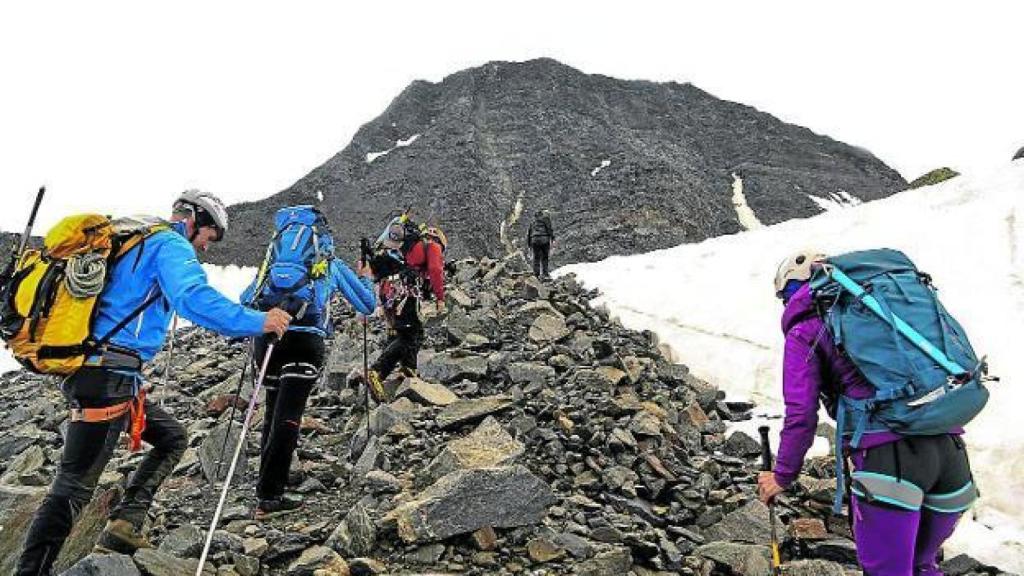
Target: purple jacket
x=813, y=368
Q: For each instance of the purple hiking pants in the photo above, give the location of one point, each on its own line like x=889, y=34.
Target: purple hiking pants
x=907, y=497
x=893, y=542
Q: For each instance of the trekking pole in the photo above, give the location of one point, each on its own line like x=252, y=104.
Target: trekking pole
x=238, y=447
x=234, y=407
x=366, y=377
x=766, y=466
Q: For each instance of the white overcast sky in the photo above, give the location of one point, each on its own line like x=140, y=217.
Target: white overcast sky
x=117, y=106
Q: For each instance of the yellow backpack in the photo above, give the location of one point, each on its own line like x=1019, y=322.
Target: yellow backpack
x=49, y=302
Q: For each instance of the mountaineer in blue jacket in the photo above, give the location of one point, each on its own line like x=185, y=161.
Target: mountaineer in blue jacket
x=106, y=396
x=299, y=268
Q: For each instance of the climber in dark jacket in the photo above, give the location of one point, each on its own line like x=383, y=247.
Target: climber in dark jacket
x=540, y=237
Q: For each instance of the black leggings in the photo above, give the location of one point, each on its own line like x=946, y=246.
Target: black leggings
x=293, y=371
x=403, y=344
x=88, y=447
x=540, y=259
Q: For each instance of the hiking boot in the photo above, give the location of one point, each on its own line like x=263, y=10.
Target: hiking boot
x=271, y=507
x=375, y=384
x=377, y=387
x=122, y=537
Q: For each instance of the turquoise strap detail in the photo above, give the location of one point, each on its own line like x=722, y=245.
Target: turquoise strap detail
x=952, y=502
x=905, y=329
x=837, y=501
x=874, y=487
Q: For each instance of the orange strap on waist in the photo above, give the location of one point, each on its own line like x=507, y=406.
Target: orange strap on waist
x=105, y=414
x=136, y=408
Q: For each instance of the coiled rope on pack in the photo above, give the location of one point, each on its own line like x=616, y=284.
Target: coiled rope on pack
x=85, y=274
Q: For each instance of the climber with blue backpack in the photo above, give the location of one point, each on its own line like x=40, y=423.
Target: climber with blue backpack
x=867, y=337
x=299, y=266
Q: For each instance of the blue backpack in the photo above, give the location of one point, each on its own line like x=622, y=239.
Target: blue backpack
x=884, y=315
x=298, y=256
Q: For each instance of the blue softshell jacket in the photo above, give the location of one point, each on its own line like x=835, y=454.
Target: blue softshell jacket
x=358, y=291
x=167, y=264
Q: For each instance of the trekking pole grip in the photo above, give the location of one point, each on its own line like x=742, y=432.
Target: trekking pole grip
x=766, y=449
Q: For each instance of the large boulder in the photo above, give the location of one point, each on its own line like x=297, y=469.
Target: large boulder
x=465, y=501
x=488, y=446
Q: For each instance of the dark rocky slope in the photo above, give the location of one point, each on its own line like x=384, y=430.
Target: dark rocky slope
x=625, y=166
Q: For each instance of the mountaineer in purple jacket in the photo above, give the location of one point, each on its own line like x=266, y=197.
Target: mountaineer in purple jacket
x=908, y=492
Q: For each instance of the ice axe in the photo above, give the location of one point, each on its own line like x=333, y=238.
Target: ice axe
x=273, y=340
x=766, y=466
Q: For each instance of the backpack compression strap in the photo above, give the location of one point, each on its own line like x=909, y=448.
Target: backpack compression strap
x=896, y=322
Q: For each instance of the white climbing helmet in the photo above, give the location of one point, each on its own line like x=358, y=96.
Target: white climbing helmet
x=207, y=208
x=796, y=266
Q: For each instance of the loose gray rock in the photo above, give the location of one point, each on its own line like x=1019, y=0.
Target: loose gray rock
x=318, y=561
x=749, y=524
x=183, y=542
x=210, y=453
x=530, y=373
x=156, y=563
x=613, y=563
x=356, y=534
x=103, y=565
x=814, y=568
x=741, y=445
x=745, y=559
x=445, y=368
x=467, y=500
x=548, y=328
x=465, y=411
x=426, y=392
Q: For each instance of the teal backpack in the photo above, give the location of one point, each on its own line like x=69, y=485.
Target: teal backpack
x=884, y=315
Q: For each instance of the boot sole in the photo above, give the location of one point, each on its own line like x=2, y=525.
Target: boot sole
x=107, y=544
x=271, y=515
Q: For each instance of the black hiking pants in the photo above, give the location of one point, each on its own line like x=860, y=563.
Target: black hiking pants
x=540, y=259
x=404, y=342
x=292, y=373
x=88, y=447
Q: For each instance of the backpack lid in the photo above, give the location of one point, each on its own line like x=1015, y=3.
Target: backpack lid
x=303, y=215
x=78, y=234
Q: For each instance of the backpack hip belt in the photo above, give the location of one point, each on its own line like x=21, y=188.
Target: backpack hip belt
x=112, y=356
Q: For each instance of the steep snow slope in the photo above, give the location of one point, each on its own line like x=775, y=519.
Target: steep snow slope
x=712, y=305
